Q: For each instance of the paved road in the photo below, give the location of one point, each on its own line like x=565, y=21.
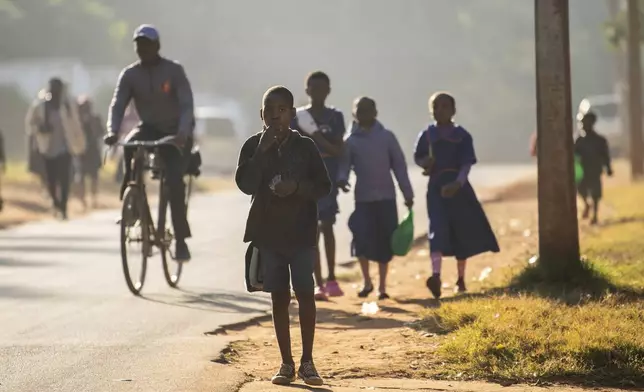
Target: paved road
x=68, y=323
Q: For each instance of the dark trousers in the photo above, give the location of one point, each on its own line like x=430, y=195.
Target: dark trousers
x=58, y=172
x=175, y=164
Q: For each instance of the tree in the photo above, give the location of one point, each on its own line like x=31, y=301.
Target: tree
x=83, y=29
x=558, y=225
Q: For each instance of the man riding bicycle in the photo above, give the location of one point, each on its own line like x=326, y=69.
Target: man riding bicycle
x=163, y=99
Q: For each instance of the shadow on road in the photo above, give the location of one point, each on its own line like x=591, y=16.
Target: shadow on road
x=220, y=301
x=15, y=292
x=64, y=247
x=16, y=263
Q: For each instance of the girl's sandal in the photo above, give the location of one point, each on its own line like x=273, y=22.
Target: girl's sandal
x=365, y=291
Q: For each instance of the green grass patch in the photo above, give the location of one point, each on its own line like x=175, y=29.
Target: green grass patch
x=586, y=330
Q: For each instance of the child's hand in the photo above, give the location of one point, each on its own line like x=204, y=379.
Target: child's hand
x=285, y=188
x=450, y=189
x=409, y=203
x=269, y=137
x=427, y=164
x=344, y=186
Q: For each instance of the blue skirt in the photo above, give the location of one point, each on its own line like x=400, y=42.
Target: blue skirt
x=372, y=225
x=458, y=226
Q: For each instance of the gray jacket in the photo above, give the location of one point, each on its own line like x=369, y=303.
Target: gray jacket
x=162, y=96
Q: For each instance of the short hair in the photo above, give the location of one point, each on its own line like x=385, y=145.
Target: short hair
x=318, y=75
x=281, y=92
x=442, y=94
x=590, y=115
x=371, y=101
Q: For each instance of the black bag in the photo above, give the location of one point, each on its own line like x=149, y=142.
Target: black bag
x=194, y=162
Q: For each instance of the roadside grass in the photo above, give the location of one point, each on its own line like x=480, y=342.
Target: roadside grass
x=585, y=331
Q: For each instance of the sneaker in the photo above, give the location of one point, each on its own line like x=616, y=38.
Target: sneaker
x=320, y=294
x=285, y=376
x=333, y=289
x=309, y=375
x=181, y=252
x=460, y=286
x=434, y=285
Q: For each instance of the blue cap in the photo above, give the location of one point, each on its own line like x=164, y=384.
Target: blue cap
x=146, y=31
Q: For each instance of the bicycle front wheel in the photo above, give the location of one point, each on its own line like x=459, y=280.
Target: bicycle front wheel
x=135, y=239
x=171, y=267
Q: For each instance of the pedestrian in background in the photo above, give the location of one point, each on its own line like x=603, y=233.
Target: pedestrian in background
x=325, y=125
x=458, y=226
x=53, y=121
x=373, y=153
x=89, y=164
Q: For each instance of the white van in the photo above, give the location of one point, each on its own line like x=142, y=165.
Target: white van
x=609, y=124
x=220, y=133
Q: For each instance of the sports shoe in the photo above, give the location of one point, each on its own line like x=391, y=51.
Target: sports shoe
x=333, y=289
x=320, y=294
x=309, y=375
x=285, y=376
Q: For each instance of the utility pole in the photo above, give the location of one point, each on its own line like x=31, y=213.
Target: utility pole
x=558, y=225
x=635, y=90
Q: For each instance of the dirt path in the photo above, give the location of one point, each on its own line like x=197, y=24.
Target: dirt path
x=379, y=345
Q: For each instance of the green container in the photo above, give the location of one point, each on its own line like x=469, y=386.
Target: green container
x=579, y=170
x=403, y=238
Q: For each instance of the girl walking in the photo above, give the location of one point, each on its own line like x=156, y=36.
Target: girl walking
x=458, y=226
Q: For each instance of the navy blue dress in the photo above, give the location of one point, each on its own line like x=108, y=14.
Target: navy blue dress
x=458, y=226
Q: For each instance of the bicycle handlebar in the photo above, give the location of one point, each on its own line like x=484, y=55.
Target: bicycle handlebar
x=164, y=141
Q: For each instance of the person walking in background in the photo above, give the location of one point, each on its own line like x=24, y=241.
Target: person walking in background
x=91, y=161
x=373, y=152
x=457, y=223
x=283, y=172
x=593, y=152
x=36, y=162
x=325, y=125
x=53, y=120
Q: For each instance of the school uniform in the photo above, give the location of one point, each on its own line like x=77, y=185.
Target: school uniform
x=331, y=124
x=372, y=155
x=592, y=149
x=457, y=225
x=284, y=229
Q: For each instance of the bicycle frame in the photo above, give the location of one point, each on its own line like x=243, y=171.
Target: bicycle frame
x=156, y=234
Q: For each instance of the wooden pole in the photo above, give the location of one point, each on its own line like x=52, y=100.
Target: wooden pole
x=558, y=225
x=635, y=90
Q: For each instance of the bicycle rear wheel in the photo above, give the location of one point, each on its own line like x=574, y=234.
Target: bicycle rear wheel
x=171, y=268
x=135, y=239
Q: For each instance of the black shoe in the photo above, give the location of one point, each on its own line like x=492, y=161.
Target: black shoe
x=309, y=374
x=460, y=286
x=181, y=252
x=434, y=285
x=285, y=376
x=364, y=293
x=383, y=296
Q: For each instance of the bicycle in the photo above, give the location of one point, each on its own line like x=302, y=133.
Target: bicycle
x=136, y=216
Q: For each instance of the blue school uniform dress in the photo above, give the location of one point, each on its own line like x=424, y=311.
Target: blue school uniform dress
x=457, y=226
x=373, y=155
x=331, y=124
